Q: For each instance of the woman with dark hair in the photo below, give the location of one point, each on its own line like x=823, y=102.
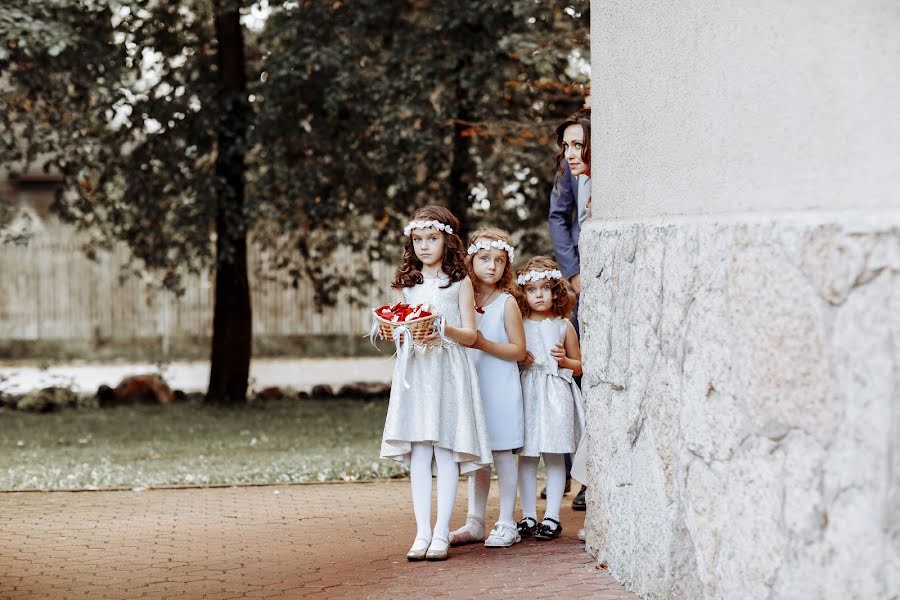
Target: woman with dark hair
x=570, y=205
x=573, y=137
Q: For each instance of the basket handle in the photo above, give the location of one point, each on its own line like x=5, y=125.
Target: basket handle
x=441, y=325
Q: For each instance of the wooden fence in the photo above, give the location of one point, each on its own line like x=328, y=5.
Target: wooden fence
x=51, y=290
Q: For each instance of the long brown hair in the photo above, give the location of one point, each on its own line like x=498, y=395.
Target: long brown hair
x=561, y=290
x=493, y=234
x=409, y=273
x=582, y=118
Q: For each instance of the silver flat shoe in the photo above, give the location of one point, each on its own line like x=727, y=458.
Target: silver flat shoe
x=438, y=550
x=416, y=554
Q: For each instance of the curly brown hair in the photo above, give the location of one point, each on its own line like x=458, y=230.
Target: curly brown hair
x=409, y=273
x=563, y=294
x=506, y=283
x=583, y=118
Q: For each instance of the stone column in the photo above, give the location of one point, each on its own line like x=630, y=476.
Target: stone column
x=741, y=308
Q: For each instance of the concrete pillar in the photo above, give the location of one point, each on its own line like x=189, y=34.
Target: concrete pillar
x=741, y=308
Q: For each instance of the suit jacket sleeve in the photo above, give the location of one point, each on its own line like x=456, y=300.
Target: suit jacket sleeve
x=563, y=204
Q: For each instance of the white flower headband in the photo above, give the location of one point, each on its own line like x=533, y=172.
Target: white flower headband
x=537, y=275
x=499, y=244
x=425, y=225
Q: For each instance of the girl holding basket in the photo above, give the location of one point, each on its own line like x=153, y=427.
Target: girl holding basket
x=435, y=413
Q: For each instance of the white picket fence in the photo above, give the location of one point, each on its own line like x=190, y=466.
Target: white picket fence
x=51, y=291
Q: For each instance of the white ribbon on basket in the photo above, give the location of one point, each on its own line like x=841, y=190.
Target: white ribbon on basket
x=404, y=349
x=373, y=331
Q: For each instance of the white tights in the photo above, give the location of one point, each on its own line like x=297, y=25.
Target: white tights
x=420, y=477
x=556, y=483
x=507, y=478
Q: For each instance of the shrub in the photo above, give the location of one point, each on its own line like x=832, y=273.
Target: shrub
x=48, y=400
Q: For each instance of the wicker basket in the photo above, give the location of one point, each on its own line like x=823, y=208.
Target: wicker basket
x=420, y=327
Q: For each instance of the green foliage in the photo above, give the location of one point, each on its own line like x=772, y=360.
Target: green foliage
x=394, y=105
x=112, y=95
x=361, y=111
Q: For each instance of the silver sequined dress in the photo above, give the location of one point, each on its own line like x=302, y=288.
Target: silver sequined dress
x=554, y=413
x=443, y=404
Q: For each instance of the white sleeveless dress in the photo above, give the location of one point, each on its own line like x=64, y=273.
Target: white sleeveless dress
x=501, y=390
x=554, y=412
x=443, y=403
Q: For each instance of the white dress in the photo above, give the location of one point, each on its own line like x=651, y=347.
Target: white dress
x=554, y=413
x=501, y=390
x=443, y=402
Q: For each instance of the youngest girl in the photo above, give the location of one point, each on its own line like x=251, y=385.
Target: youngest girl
x=554, y=416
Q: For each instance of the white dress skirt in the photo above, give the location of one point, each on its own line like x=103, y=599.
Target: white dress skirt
x=442, y=406
x=554, y=412
x=501, y=390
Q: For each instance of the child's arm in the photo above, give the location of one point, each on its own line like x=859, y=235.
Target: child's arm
x=466, y=334
x=569, y=357
x=515, y=330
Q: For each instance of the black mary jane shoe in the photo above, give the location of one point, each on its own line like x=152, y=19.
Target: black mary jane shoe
x=547, y=532
x=527, y=527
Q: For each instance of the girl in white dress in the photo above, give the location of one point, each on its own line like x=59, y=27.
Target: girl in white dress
x=435, y=413
x=554, y=415
x=500, y=344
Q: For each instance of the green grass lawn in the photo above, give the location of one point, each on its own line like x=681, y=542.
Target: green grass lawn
x=191, y=443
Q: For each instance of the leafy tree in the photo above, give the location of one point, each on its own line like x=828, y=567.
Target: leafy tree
x=181, y=133
x=397, y=104
x=142, y=107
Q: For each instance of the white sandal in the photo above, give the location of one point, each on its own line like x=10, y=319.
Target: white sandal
x=503, y=535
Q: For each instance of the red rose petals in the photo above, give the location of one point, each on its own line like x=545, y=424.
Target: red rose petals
x=402, y=312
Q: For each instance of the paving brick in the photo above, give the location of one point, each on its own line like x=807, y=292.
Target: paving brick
x=307, y=541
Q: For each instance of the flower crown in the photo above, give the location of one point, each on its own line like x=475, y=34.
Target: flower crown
x=425, y=225
x=498, y=244
x=537, y=275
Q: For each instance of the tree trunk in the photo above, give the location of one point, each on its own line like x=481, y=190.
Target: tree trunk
x=232, y=317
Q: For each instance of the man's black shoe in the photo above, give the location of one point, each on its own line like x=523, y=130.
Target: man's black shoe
x=578, y=502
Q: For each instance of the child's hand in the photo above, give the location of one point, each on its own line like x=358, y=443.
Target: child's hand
x=558, y=352
x=432, y=336
x=479, y=338
x=529, y=360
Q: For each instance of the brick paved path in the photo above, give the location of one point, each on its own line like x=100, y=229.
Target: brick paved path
x=303, y=541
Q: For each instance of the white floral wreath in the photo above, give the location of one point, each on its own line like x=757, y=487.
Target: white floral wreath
x=425, y=225
x=537, y=275
x=487, y=245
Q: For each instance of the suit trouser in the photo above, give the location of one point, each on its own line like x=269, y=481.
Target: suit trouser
x=574, y=320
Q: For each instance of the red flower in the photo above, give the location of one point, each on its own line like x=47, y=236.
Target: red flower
x=401, y=312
